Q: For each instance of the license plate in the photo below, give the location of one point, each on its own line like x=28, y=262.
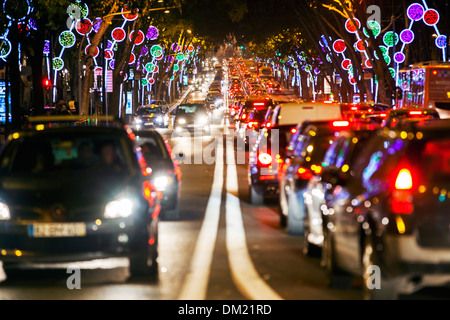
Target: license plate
x=55, y=230
x=149, y=123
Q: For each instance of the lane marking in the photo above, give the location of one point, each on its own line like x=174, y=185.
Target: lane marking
x=196, y=283
x=243, y=272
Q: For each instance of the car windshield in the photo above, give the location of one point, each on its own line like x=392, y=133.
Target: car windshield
x=154, y=150
x=148, y=111
x=68, y=152
x=159, y=102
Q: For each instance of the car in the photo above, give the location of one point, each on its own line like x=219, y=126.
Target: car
x=214, y=99
x=192, y=116
x=72, y=191
x=284, y=118
x=393, y=213
x=150, y=116
x=304, y=157
x=394, y=117
x=166, y=172
x=337, y=162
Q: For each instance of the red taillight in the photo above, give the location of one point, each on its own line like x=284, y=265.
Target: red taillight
x=293, y=130
x=354, y=108
x=147, y=191
x=304, y=173
x=244, y=116
x=265, y=158
x=258, y=104
x=415, y=113
x=341, y=123
x=316, y=169
x=401, y=201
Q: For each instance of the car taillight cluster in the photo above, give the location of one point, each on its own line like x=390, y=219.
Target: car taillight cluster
x=265, y=159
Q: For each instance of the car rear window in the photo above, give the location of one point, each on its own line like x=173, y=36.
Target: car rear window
x=186, y=109
x=436, y=159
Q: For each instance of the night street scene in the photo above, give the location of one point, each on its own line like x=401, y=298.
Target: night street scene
x=225, y=156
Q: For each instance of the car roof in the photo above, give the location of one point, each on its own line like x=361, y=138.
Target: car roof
x=149, y=106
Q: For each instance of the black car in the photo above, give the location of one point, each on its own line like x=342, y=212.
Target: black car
x=337, y=163
x=265, y=157
x=72, y=193
x=192, y=116
x=393, y=213
x=151, y=116
x=166, y=173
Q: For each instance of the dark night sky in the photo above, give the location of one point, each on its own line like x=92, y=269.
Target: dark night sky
x=263, y=18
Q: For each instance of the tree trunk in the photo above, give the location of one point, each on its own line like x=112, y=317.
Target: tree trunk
x=36, y=63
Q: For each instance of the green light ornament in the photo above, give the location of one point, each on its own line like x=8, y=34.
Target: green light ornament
x=156, y=50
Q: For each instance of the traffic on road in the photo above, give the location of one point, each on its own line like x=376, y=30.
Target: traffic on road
x=257, y=195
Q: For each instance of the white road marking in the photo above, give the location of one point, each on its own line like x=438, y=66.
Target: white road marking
x=243, y=272
x=196, y=282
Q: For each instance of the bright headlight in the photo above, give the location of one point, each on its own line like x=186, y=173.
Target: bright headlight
x=121, y=208
x=159, y=119
x=161, y=183
x=4, y=212
x=137, y=120
x=182, y=121
x=202, y=120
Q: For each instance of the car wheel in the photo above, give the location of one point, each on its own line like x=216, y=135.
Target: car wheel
x=337, y=278
x=283, y=219
x=387, y=288
x=309, y=249
x=295, y=214
x=256, y=198
x=281, y=206
x=144, y=261
x=173, y=214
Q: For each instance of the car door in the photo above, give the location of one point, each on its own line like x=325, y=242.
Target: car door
x=349, y=201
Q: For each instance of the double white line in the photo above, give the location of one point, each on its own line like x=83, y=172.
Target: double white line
x=243, y=272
